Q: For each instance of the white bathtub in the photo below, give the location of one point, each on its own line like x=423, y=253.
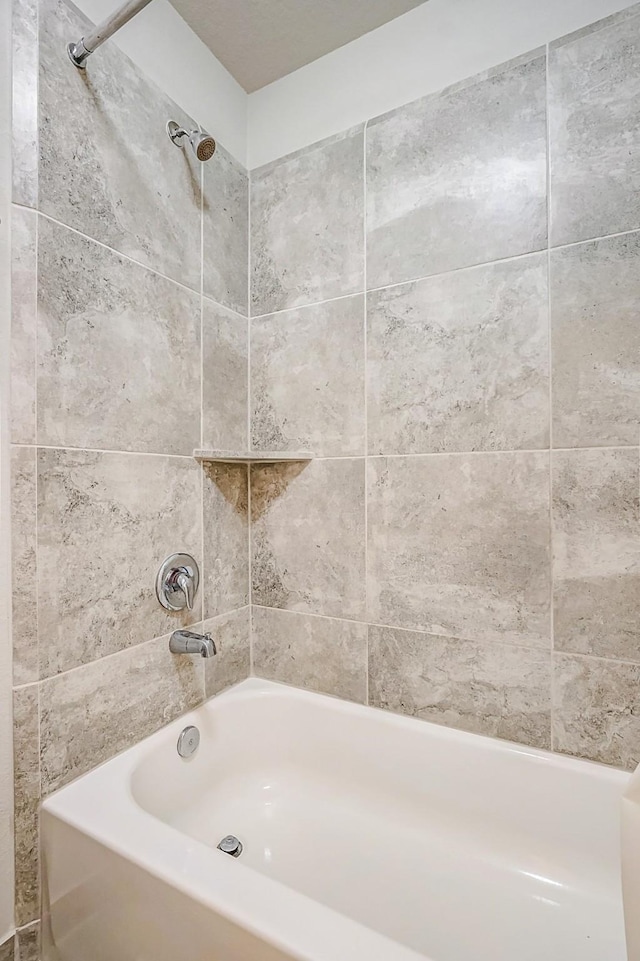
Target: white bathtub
x=367, y=837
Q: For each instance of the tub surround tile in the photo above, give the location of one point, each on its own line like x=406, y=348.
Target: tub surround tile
x=460, y=362
x=90, y=714
x=308, y=535
x=226, y=538
x=24, y=122
x=28, y=942
x=493, y=689
x=23, y=325
x=319, y=654
x=232, y=663
x=307, y=379
x=596, y=510
x=595, y=291
x=7, y=950
x=23, y=565
x=226, y=231
x=26, y=764
x=594, y=128
x=124, y=182
x=307, y=220
x=143, y=394
x=225, y=338
x=458, y=178
x=459, y=545
x=105, y=524
x=597, y=709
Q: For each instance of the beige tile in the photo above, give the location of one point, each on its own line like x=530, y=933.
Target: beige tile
x=226, y=231
x=596, y=510
x=24, y=121
x=7, y=950
x=489, y=689
x=597, y=709
x=307, y=379
x=226, y=538
x=26, y=764
x=460, y=362
x=308, y=537
x=23, y=325
x=23, y=565
x=231, y=633
x=142, y=391
x=459, y=545
x=225, y=365
x=28, y=942
x=307, y=221
x=105, y=524
x=92, y=713
x=317, y=653
x=595, y=293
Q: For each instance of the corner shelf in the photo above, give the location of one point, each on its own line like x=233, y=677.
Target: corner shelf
x=251, y=457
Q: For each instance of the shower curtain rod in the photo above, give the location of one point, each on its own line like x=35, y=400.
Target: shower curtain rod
x=78, y=52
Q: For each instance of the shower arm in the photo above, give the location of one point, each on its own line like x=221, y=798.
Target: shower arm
x=78, y=52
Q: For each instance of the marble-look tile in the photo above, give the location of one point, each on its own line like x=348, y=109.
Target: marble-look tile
x=26, y=766
x=105, y=524
x=7, y=950
x=460, y=362
x=459, y=545
x=23, y=565
x=458, y=178
x=124, y=182
x=489, y=689
x=24, y=121
x=307, y=222
x=307, y=537
x=226, y=538
x=596, y=709
x=307, y=379
x=596, y=513
x=225, y=365
x=90, y=714
x=317, y=653
x=226, y=231
x=232, y=663
x=594, y=131
x=24, y=296
x=28, y=942
x=118, y=351
x=595, y=339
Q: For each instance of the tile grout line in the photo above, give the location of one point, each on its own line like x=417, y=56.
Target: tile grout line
x=552, y=690
x=202, y=473
x=249, y=419
x=366, y=408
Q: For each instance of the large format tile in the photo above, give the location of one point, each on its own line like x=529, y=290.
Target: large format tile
x=459, y=545
x=307, y=221
x=596, y=709
x=232, y=663
x=317, y=653
x=458, y=178
x=594, y=129
x=225, y=366
x=307, y=537
x=105, y=524
x=24, y=120
x=7, y=950
x=142, y=390
x=28, y=942
x=225, y=227
x=26, y=764
x=90, y=714
x=23, y=565
x=460, y=362
x=596, y=511
x=226, y=538
x=124, y=182
x=24, y=296
x=307, y=379
x=490, y=689
x=595, y=339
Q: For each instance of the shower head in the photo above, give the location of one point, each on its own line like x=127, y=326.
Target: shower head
x=202, y=144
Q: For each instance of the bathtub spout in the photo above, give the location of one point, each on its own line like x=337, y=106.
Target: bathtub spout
x=186, y=642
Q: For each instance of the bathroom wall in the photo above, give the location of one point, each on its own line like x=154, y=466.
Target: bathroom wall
x=129, y=349
x=444, y=307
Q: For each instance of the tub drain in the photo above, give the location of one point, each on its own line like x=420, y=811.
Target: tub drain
x=231, y=845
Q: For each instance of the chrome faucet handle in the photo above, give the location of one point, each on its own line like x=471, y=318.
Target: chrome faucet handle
x=177, y=582
x=184, y=581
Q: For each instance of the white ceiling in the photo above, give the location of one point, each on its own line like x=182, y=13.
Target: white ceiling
x=259, y=41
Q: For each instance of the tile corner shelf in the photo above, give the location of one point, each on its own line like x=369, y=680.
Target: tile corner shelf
x=251, y=457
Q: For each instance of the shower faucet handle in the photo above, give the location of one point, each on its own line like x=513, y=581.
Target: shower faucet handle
x=177, y=582
x=184, y=581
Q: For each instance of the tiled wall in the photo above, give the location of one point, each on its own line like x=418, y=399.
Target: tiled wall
x=129, y=349
x=446, y=309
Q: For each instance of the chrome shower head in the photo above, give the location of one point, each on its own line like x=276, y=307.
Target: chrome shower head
x=202, y=144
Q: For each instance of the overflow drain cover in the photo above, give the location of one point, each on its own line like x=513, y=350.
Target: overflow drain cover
x=231, y=845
